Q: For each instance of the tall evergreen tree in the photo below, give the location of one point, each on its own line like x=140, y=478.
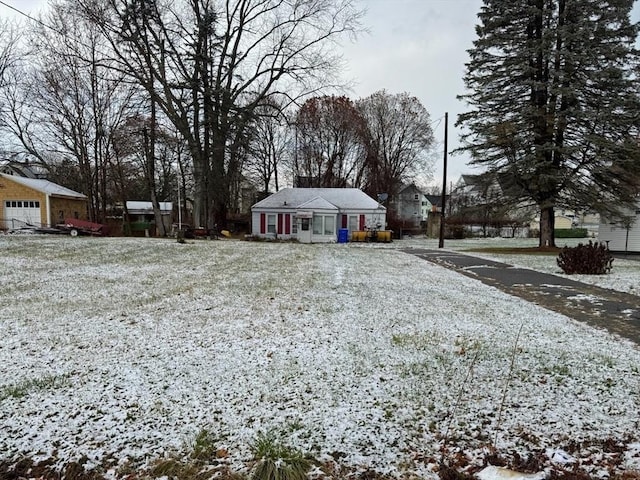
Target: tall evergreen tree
x=554, y=103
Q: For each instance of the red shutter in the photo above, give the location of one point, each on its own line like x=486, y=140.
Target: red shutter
x=345, y=221
x=287, y=224
x=279, y=224
x=263, y=223
x=362, y=222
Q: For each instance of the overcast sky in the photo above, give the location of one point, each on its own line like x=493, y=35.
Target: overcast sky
x=414, y=46
x=418, y=47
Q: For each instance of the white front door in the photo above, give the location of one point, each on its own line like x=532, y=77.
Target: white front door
x=304, y=230
x=20, y=213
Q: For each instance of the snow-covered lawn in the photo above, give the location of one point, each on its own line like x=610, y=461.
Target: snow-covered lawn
x=128, y=348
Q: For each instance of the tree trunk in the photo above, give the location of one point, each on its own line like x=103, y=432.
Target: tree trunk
x=220, y=188
x=547, y=227
x=201, y=175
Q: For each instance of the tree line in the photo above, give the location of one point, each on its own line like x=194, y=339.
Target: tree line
x=140, y=99
x=123, y=98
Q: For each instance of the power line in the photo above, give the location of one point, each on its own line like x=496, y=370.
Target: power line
x=438, y=121
x=24, y=14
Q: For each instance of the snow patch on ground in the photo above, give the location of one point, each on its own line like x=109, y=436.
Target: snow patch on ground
x=586, y=298
x=130, y=347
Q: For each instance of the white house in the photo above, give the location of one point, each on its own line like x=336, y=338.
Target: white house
x=622, y=235
x=316, y=215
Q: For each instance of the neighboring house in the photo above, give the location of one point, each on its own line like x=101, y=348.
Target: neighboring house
x=433, y=204
x=20, y=169
x=412, y=208
x=623, y=234
x=315, y=215
x=491, y=204
x=37, y=202
x=563, y=222
x=475, y=192
x=433, y=213
x=482, y=202
x=587, y=220
x=141, y=215
x=565, y=219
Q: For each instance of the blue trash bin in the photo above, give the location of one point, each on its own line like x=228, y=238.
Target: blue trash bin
x=343, y=235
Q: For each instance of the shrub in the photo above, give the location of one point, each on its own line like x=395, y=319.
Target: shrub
x=571, y=233
x=592, y=258
x=204, y=446
x=278, y=462
x=455, y=232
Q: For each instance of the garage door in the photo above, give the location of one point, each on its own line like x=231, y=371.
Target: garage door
x=17, y=213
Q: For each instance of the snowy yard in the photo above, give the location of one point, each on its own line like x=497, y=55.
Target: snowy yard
x=126, y=349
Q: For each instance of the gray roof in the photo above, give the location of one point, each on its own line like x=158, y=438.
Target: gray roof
x=318, y=203
x=44, y=186
x=342, y=198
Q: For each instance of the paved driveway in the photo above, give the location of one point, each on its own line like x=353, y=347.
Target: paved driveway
x=617, y=312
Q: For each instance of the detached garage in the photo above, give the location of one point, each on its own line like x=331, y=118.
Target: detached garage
x=36, y=202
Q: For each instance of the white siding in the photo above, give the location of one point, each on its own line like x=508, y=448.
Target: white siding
x=255, y=223
x=616, y=235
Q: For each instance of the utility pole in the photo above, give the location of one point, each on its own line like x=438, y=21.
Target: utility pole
x=444, y=182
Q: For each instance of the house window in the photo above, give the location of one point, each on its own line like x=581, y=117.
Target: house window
x=324, y=225
x=317, y=224
x=305, y=225
x=271, y=223
x=416, y=197
x=353, y=223
x=329, y=225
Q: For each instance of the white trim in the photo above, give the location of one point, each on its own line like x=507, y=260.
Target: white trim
x=48, y=207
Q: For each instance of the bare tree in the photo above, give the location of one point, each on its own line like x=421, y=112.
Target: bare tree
x=9, y=54
x=68, y=103
x=209, y=64
x=138, y=171
x=330, y=142
x=271, y=142
x=400, y=140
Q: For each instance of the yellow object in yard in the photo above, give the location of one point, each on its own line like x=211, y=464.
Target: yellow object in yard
x=383, y=236
x=226, y=233
x=359, y=236
x=371, y=236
